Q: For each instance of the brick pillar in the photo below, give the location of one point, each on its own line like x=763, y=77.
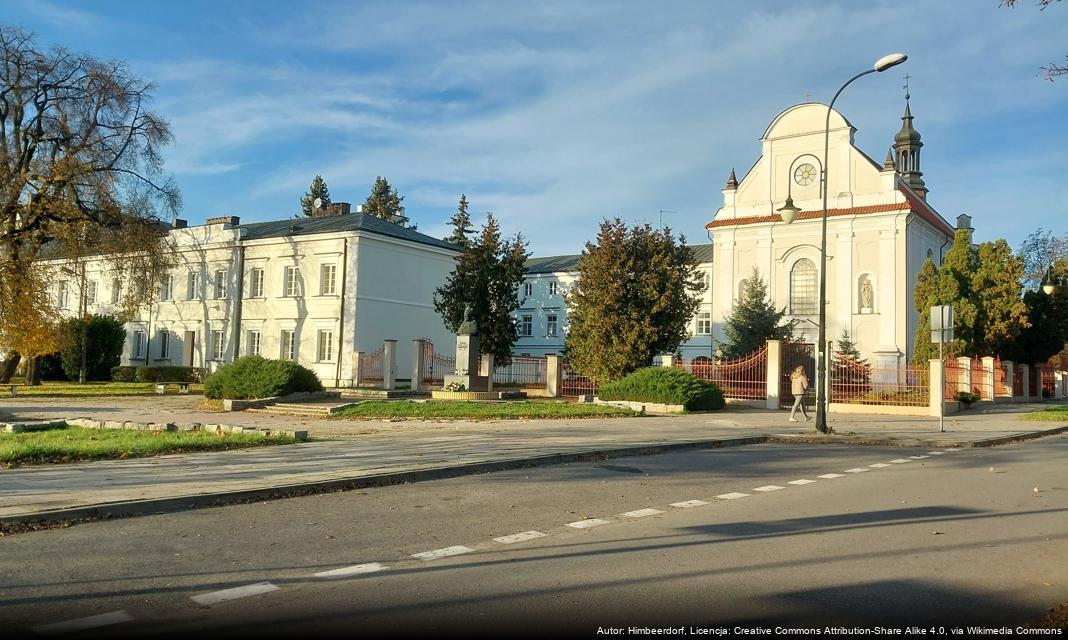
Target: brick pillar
x=986, y=384
x=485, y=369
x=418, y=365
x=774, y=372
x=389, y=364
x=1025, y=392
x=937, y=388
x=357, y=368
x=552, y=375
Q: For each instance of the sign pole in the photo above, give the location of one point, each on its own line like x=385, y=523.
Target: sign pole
x=941, y=391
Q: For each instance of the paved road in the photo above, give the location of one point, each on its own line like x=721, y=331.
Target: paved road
x=952, y=539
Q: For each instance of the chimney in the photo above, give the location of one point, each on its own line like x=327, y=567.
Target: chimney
x=225, y=221
x=964, y=223
x=332, y=209
x=359, y=208
x=180, y=224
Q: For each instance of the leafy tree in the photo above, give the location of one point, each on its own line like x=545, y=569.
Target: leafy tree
x=1039, y=250
x=637, y=292
x=996, y=289
x=461, y=224
x=385, y=203
x=104, y=340
x=487, y=275
x=924, y=297
x=1047, y=315
x=318, y=189
x=753, y=320
x=80, y=173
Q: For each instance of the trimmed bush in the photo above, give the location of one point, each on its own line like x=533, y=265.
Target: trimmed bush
x=104, y=340
x=123, y=374
x=967, y=399
x=170, y=374
x=667, y=385
x=251, y=377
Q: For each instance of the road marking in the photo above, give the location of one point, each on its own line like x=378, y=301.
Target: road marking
x=689, y=504
x=769, y=487
x=936, y=453
x=235, y=593
x=732, y=496
x=443, y=553
x=642, y=513
x=830, y=475
x=857, y=470
x=586, y=524
x=802, y=481
x=878, y=465
x=519, y=537
x=951, y=450
x=919, y=457
x=899, y=461
x=353, y=570
x=79, y=624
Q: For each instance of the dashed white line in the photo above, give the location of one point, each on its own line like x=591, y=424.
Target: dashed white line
x=643, y=513
x=586, y=524
x=519, y=537
x=689, y=504
x=857, y=470
x=919, y=457
x=899, y=461
x=802, y=481
x=828, y=476
x=936, y=453
x=443, y=553
x=235, y=593
x=732, y=496
x=356, y=569
x=79, y=624
x=878, y=465
x=769, y=487
x=954, y=450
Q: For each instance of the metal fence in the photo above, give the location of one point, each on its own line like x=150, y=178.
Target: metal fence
x=371, y=365
x=905, y=386
x=954, y=379
x=1017, y=381
x=1049, y=381
x=744, y=378
x=793, y=355
x=527, y=372
x=574, y=384
x=1002, y=384
x=982, y=380
x=436, y=365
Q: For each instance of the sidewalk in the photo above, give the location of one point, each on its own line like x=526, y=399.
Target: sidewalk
x=368, y=453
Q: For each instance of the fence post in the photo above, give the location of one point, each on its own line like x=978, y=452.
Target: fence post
x=389, y=364
x=988, y=380
x=774, y=372
x=357, y=368
x=552, y=375
x=936, y=389
x=667, y=360
x=418, y=364
x=1059, y=380
x=485, y=368
x=1026, y=384
x=1010, y=378
x=966, y=375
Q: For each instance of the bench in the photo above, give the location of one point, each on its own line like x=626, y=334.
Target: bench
x=13, y=387
x=183, y=387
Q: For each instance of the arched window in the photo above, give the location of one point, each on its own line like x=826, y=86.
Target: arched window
x=803, y=288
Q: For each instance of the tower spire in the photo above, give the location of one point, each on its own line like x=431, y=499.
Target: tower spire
x=907, y=146
x=732, y=182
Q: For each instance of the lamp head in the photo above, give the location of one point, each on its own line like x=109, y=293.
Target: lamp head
x=892, y=60
x=788, y=211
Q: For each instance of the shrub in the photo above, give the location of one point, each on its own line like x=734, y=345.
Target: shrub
x=967, y=399
x=104, y=340
x=51, y=368
x=667, y=385
x=170, y=374
x=123, y=374
x=252, y=377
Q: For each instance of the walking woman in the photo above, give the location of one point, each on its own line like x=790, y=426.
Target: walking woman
x=799, y=385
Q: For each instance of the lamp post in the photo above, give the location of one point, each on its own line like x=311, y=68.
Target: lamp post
x=1049, y=284
x=789, y=212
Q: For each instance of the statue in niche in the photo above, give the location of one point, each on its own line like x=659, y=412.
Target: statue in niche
x=867, y=295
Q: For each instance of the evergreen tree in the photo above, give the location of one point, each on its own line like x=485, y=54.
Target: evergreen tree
x=318, y=189
x=385, y=203
x=924, y=297
x=846, y=348
x=850, y=373
x=487, y=275
x=1047, y=316
x=637, y=292
x=753, y=320
x=461, y=224
x=996, y=290
x=949, y=284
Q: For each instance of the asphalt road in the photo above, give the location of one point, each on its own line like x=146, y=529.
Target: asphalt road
x=945, y=540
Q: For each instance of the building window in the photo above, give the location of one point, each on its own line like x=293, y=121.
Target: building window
x=116, y=290
x=704, y=323
x=706, y=281
x=254, y=343
x=526, y=326
x=550, y=325
x=328, y=279
x=164, y=344
x=326, y=346
x=289, y=345
x=61, y=294
x=528, y=288
x=90, y=294
x=220, y=284
x=803, y=288
x=139, y=344
x=255, y=283
x=217, y=345
x=291, y=284
x=165, y=287
x=552, y=288
x=192, y=287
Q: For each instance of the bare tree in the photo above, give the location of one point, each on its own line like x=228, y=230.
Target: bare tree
x=80, y=174
x=1052, y=69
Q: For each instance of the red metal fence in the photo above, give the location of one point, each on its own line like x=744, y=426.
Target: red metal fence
x=1002, y=385
x=527, y=372
x=573, y=383
x=793, y=355
x=982, y=380
x=954, y=379
x=1049, y=381
x=1017, y=381
x=371, y=365
x=744, y=378
x=436, y=365
x=1034, y=385
x=907, y=386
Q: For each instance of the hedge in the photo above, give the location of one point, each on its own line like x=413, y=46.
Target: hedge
x=170, y=374
x=666, y=385
x=123, y=374
x=251, y=377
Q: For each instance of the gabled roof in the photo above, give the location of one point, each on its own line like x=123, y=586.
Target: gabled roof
x=554, y=264
x=332, y=224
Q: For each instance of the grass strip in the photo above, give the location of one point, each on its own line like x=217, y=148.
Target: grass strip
x=471, y=410
x=74, y=389
x=76, y=444
x=1058, y=413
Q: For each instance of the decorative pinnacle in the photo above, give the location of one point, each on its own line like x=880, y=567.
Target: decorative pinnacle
x=889, y=162
x=732, y=182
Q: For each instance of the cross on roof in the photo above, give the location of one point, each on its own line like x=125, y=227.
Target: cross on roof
x=906, y=86
x=808, y=97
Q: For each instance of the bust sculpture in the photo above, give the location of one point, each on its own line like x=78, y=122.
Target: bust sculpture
x=468, y=327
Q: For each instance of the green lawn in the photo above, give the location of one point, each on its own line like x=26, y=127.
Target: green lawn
x=479, y=410
x=93, y=389
x=1058, y=413
x=73, y=444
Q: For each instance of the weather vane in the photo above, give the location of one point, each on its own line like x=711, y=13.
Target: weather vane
x=906, y=86
x=808, y=97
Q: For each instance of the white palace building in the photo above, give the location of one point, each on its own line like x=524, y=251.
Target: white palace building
x=316, y=290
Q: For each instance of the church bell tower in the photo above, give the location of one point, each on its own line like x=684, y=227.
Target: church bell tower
x=907, y=153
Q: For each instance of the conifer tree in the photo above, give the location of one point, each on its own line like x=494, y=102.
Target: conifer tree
x=461, y=224
x=925, y=296
x=385, y=203
x=850, y=373
x=636, y=295
x=753, y=320
x=318, y=189
x=487, y=276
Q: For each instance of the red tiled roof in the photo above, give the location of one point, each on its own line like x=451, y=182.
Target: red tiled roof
x=809, y=215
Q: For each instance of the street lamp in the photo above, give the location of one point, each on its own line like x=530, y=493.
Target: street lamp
x=1049, y=285
x=789, y=212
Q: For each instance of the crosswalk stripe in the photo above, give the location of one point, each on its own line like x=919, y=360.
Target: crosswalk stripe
x=356, y=569
x=443, y=553
x=235, y=593
x=519, y=537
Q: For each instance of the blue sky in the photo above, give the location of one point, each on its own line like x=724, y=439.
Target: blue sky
x=556, y=115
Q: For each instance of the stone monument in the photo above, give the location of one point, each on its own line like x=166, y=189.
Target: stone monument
x=467, y=356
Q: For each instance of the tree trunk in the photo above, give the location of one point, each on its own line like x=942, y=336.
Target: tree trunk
x=33, y=372
x=11, y=363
